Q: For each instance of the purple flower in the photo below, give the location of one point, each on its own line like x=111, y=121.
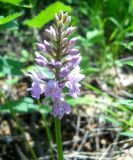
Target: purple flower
x=62, y=60
x=56, y=63
x=73, y=61
x=73, y=51
x=73, y=80
x=60, y=108
x=53, y=90
x=35, y=90
x=75, y=76
x=72, y=43
x=40, y=60
x=64, y=72
x=48, y=46
x=51, y=33
x=70, y=30
x=65, y=41
x=74, y=89
x=41, y=46
x=38, y=85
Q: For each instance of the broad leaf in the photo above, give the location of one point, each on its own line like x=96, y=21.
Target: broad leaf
x=12, y=26
x=47, y=14
x=10, y=66
x=23, y=105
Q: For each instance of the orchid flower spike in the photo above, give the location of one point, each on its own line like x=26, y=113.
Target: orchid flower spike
x=63, y=62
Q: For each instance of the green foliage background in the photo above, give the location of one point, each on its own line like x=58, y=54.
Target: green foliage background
x=105, y=32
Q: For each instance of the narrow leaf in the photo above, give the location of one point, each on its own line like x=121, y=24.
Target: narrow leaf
x=130, y=63
x=14, y=2
x=4, y=20
x=78, y=101
x=127, y=134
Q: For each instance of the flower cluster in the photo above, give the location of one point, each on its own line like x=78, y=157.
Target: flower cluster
x=62, y=59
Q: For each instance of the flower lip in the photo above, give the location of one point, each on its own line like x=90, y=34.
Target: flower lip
x=60, y=108
x=36, y=91
x=53, y=90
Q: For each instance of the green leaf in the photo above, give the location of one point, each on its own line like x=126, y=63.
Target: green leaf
x=127, y=45
x=45, y=109
x=12, y=81
x=112, y=113
x=24, y=105
x=10, y=66
x=45, y=71
x=130, y=63
x=21, y=105
x=127, y=134
x=113, y=20
x=113, y=120
x=123, y=108
x=9, y=18
x=128, y=103
x=94, y=36
x=13, y=25
x=14, y=2
x=78, y=101
x=47, y=14
x=131, y=121
x=88, y=86
x=84, y=62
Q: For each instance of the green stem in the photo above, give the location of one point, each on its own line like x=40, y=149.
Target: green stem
x=49, y=137
x=47, y=131
x=58, y=138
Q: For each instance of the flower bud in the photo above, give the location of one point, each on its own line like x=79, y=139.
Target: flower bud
x=48, y=46
x=74, y=60
x=41, y=46
x=56, y=63
x=48, y=32
x=73, y=52
x=40, y=60
x=65, y=41
x=73, y=41
x=60, y=25
x=53, y=33
x=60, y=15
x=68, y=20
x=65, y=15
x=70, y=30
x=56, y=18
